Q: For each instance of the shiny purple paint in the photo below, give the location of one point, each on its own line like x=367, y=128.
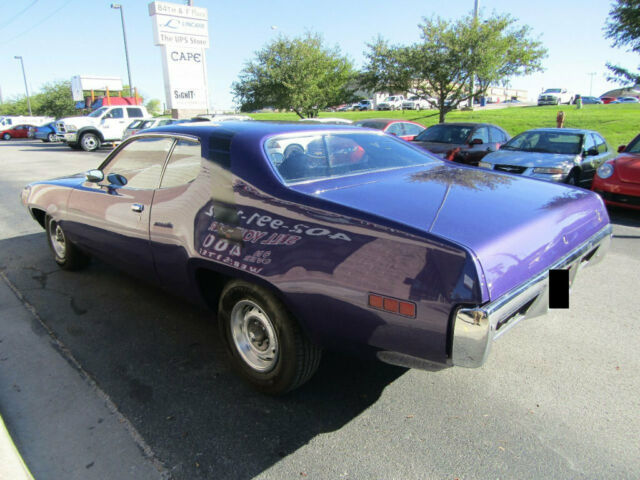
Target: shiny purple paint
x=440, y=235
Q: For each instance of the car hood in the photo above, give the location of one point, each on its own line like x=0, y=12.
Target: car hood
x=528, y=159
x=79, y=121
x=628, y=168
x=516, y=227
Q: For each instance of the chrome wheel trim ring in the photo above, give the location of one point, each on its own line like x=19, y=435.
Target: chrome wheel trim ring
x=58, y=240
x=254, y=336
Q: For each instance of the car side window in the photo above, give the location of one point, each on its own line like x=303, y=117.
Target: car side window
x=411, y=129
x=482, y=133
x=601, y=145
x=183, y=166
x=139, y=164
x=396, y=129
x=134, y=112
x=115, y=113
x=497, y=136
x=589, y=142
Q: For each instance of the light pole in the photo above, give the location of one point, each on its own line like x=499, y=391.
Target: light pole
x=117, y=6
x=18, y=57
x=591, y=83
x=473, y=74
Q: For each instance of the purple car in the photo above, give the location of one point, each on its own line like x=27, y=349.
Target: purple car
x=305, y=237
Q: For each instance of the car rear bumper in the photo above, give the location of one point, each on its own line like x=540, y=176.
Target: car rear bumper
x=476, y=328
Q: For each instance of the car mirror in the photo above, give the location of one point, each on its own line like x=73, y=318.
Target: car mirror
x=621, y=148
x=94, y=176
x=476, y=141
x=592, y=152
x=117, y=179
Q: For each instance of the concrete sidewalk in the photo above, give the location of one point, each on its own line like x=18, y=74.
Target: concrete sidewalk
x=61, y=422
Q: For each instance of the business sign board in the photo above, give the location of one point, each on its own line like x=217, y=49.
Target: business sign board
x=80, y=83
x=182, y=32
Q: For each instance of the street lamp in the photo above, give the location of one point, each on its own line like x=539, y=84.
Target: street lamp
x=18, y=57
x=117, y=6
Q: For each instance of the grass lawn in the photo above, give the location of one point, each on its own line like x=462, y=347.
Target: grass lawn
x=617, y=123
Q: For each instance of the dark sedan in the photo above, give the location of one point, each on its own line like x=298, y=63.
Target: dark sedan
x=465, y=143
x=305, y=237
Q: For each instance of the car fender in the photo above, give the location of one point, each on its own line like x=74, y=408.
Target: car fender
x=91, y=129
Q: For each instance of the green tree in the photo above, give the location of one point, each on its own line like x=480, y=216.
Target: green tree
x=623, y=27
x=300, y=74
x=154, y=106
x=55, y=100
x=439, y=68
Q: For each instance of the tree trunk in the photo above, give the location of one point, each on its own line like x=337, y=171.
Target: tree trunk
x=443, y=113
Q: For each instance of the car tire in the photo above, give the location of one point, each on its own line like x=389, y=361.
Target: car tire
x=573, y=178
x=89, y=142
x=248, y=316
x=65, y=253
x=51, y=137
x=6, y=136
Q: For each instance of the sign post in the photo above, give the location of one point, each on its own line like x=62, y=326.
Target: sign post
x=182, y=32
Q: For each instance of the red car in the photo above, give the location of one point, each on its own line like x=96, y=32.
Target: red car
x=404, y=129
x=19, y=131
x=618, y=180
x=608, y=99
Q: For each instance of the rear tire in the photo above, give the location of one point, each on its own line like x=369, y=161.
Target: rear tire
x=51, y=137
x=65, y=253
x=573, y=178
x=266, y=345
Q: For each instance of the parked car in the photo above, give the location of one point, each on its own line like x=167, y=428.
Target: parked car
x=618, y=180
x=365, y=105
x=625, y=100
x=327, y=120
x=415, y=103
x=555, y=96
x=146, y=123
x=354, y=238
x=19, y=131
x=392, y=102
x=566, y=155
x=404, y=129
x=462, y=142
x=47, y=133
x=591, y=100
x=608, y=99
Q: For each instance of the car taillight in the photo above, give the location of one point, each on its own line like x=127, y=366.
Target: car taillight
x=392, y=305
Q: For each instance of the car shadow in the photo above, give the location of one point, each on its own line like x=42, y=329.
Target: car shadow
x=160, y=360
x=624, y=216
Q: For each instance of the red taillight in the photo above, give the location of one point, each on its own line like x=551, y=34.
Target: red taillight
x=392, y=305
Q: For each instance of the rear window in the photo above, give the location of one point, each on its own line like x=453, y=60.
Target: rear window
x=305, y=157
x=134, y=112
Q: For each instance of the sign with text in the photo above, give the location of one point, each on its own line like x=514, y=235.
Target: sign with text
x=182, y=32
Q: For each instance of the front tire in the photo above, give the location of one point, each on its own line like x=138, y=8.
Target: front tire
x=266, y=345
x=6, y=136
x=65, y=253
x=89, y=142
x=573, y=178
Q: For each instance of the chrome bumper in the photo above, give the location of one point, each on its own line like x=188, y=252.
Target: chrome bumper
x=475, y=329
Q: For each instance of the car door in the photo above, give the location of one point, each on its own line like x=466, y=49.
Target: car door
x=476, y=151
x=114, y=123
x=600, y=153
x=110, y=218
x=182, y=193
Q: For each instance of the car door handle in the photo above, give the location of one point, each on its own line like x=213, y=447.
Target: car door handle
x=163, y=224
x=137, y=207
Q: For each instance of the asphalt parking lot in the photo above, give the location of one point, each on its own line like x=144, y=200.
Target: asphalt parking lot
x=558, y=397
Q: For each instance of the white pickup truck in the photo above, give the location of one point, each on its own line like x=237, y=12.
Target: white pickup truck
x=555, y=96
x=105, y=125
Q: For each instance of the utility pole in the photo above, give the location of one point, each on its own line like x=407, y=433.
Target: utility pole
x=117, y=6
x=473, y=75
x=24, y=75
x=591, y=74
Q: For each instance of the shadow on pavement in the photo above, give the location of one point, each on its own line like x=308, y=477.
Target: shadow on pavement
x=161, y=362
x=624, y=216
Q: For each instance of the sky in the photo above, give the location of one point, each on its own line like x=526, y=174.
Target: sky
x=62, y=38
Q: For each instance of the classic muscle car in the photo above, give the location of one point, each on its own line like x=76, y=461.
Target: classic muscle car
x=306, y=237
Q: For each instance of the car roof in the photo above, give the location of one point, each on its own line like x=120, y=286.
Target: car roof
x=467, y=124
x=563, y=130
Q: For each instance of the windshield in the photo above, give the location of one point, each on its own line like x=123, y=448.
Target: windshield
x=546, y=142
x=634, y=146
x=98, y=112
x=455, y=134
x=553, y=90
x=319, y=156
x=389, y=99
